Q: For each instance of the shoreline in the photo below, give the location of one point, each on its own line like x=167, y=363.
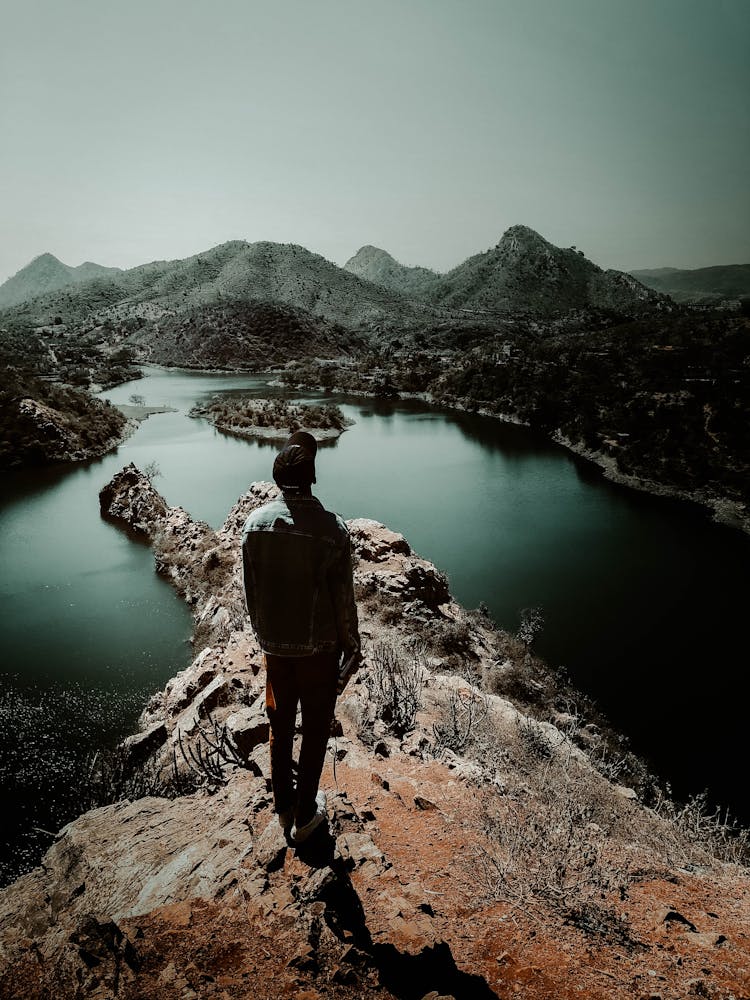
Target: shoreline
x=728, y=513
x=141, y=413
x=721, y=510
x=271, y=434
x=256, y=433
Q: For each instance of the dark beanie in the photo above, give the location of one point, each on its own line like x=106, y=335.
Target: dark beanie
x=294, y=467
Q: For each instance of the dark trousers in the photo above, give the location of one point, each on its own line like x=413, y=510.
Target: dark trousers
x=308, y=681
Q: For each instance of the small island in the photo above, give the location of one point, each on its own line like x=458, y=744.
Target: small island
x=273, y=419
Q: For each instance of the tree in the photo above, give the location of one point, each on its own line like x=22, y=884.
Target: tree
x=151, y=471
x=136, y=400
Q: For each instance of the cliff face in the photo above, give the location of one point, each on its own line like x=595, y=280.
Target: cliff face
x=472, y=850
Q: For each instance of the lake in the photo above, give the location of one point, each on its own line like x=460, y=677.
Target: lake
x=644, y=600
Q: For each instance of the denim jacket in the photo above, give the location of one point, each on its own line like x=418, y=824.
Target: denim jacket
x=297, y=571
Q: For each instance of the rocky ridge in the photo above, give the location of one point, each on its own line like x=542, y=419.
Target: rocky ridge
x=473, y=851
x=285, y=275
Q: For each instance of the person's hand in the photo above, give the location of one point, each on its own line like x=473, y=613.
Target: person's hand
x=356, y=664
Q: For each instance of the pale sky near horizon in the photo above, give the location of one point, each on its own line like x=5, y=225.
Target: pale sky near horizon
x=155, y=129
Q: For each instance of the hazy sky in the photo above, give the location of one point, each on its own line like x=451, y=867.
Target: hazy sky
x=149, y=129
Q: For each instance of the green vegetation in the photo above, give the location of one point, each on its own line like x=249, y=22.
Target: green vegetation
x=250, y=336
x=253, y=417
x=51, y=352
x=666, y=399
x=43, y=422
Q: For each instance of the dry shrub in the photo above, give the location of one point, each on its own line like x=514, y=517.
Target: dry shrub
x=394, y=680
x=524, y=679
x=534, y=739
x=462, y=721
x=453, y=637
x=708, y=829
x=388, y=608
x=545, y=846
x=112, y=776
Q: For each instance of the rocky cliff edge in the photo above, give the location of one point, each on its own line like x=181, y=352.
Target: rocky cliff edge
x=472, y=850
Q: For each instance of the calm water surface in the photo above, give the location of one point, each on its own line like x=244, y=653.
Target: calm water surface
x=644, y=600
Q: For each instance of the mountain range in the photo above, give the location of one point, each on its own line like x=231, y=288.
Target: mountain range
x=702, y=284
x=247, y=303
x=48, y=274
x=525, y=327
x=522, y=274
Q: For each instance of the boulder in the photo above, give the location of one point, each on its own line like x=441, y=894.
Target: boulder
x=373, y=542
x=248, y=727
x=359, y=849
x=141, y=746
x=185, y=685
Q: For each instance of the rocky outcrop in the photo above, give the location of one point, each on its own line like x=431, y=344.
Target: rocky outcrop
x=59, y=425
x=472, y=851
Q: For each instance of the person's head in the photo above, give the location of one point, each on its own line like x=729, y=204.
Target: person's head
x=294, y=468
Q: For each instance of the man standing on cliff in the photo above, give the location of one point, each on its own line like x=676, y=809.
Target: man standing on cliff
x=297, y=570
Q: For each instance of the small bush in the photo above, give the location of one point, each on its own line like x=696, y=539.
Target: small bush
x=151, y=471
x=532, y=623
x=394, y=682
x=111, y=777
x=707, y=828
x=376, y=603
x=453, y=637
x=534, y=740
x=459, y=726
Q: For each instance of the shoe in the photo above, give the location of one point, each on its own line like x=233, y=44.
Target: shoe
x=286, y=820
x=300, y=833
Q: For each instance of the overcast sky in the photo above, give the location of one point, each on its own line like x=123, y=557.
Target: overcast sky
x=151, y=129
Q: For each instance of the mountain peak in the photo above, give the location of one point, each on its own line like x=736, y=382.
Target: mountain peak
x=44, y=273
x=368, y=251
x=522, y=236
x=379, y=267
x=44, y=258
x=47, y=273
x=524, y=273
